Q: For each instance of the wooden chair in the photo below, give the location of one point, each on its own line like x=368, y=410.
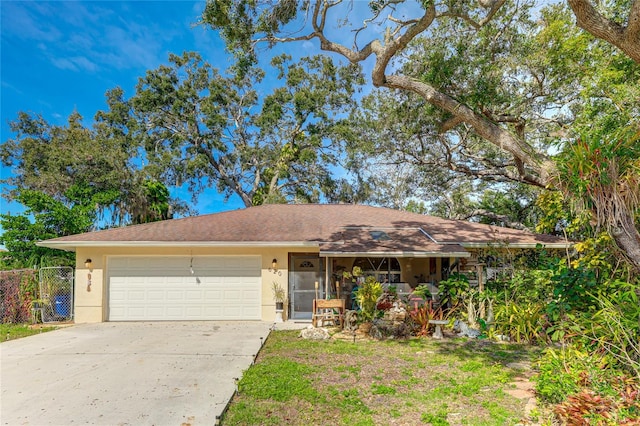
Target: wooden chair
x=328, y=311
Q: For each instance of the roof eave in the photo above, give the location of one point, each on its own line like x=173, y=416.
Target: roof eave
x=517, y=245
x=392, y=254
x=72, y=245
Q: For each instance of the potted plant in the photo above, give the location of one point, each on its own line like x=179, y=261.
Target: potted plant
x=279, y=298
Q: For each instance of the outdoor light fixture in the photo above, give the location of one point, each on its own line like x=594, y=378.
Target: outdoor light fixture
x=274, y=267
x=87, y=264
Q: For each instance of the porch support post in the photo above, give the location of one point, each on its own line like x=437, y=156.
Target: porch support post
x=327, y=278
x=479, y=273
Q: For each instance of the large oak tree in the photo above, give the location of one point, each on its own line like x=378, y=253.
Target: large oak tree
x=232, y=131
x=497, y=103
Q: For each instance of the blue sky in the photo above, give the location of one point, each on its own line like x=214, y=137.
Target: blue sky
x=61, y=56
x=57, y=57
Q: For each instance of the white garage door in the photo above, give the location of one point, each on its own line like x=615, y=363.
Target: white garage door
x=184, y=288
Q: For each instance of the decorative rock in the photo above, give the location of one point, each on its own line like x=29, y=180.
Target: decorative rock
x=350, y=336
x=315, y=333
x=383, y=329
x=396, y=314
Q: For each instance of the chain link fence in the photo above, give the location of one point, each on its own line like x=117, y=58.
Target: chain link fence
x=55, y=303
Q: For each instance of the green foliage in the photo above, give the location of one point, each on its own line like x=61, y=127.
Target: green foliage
x=587, y=387
x=51, y=219
x=155, y=203
x=602, y=172
x=95, y=165
x=573, y=290
x=523, y=322
x=378, y=389
x=615, y=327
x=206, y=128
x=18, y=288
x=366, y=297
x=439, y=418
x=423, y=291
x=453, y=289
x=560, y=372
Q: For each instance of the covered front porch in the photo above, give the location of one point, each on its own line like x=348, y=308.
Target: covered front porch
x=399, y=257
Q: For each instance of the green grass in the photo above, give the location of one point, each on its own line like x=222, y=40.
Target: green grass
x=420, y=381
x=17, y=331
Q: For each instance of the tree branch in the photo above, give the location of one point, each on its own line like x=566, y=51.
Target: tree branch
x=495, y=216
x=626, y=39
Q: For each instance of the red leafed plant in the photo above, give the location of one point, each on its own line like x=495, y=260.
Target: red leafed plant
x=589, y=408
x=420, y=317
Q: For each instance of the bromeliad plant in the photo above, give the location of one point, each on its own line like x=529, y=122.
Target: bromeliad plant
x=422, y=316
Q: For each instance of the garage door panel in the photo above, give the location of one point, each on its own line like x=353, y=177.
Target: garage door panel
x=164, y=288
x=157, y=295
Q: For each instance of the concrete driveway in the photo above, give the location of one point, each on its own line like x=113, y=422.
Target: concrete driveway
x=143, y=373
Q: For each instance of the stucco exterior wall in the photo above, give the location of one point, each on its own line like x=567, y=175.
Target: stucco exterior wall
x=90, y=301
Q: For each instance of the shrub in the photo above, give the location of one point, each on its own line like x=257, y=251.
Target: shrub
x=522, y=322
x=453, y=290
x=17, y=290
x=586, y=388
x=615, y=327
x=367, y=296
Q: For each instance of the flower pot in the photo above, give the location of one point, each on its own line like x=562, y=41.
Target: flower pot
x=279, y=306
x=365, y=327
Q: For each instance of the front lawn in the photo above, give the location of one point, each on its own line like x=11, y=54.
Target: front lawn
x=16, y=331
x=419, y=381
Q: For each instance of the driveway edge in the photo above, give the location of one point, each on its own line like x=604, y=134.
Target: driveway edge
x=220, y=418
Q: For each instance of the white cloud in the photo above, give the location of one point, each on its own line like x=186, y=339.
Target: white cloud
x=88, y=36
x=23, y=20
x=12, y=87
x=76, y=63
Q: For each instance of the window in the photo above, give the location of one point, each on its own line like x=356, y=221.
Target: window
x=385, y=269
x=379, y=235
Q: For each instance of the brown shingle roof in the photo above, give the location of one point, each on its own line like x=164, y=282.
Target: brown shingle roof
x=301, y=223
x=395, y=241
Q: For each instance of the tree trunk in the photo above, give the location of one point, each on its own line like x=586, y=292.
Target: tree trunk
x=627, y=238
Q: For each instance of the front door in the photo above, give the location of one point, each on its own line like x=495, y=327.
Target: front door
x=304, y=273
